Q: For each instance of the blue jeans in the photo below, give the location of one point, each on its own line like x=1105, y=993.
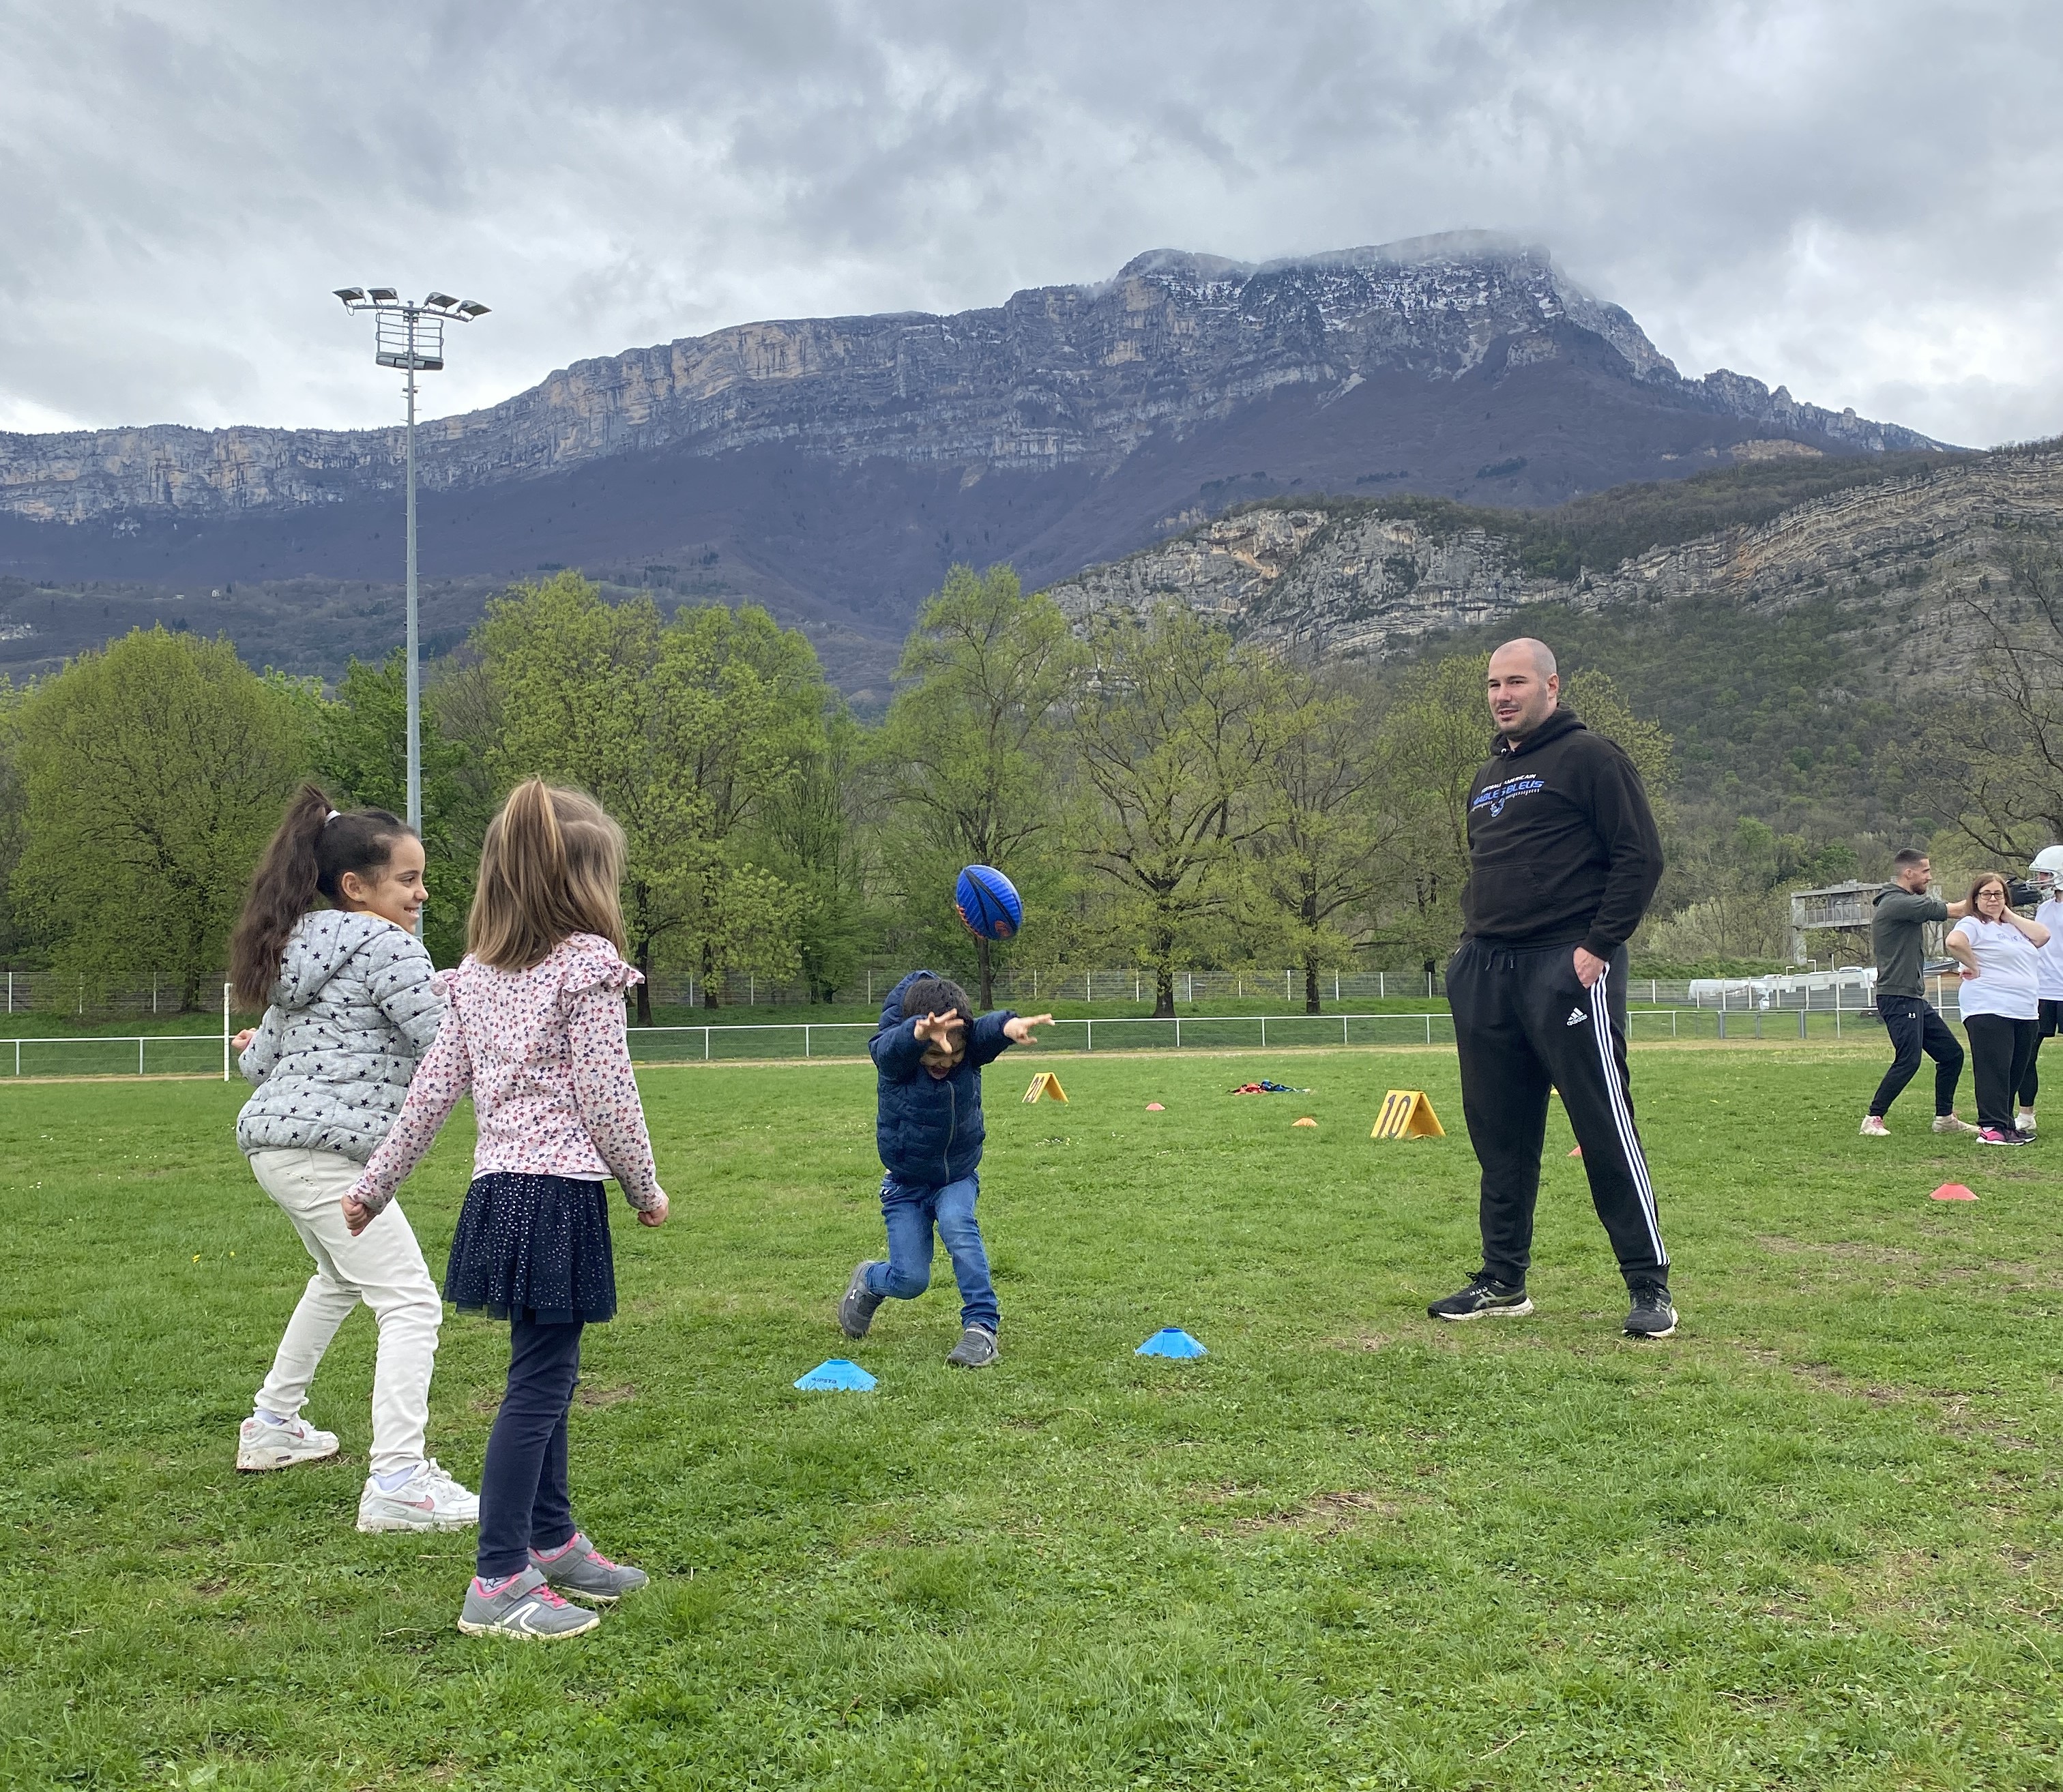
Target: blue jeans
x=911, y=1210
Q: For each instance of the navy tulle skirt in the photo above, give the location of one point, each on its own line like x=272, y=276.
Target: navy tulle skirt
x=533, y=1248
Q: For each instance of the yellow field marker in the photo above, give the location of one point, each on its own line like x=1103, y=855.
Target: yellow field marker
x=1407, y=1114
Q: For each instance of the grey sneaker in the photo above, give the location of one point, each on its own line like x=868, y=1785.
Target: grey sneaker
x=1949, y=1123
x=583, y=1572
x=856, y=1309
x=976, y=1349
x=526, y=1607
x=1652, y=1315
x=1486, y=1297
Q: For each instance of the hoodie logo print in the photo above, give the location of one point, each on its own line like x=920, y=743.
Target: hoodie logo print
x=1494, y=797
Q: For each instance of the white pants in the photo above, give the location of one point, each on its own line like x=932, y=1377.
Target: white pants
x=383, y=1268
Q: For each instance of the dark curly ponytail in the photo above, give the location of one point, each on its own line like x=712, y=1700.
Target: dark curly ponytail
x=307, y=857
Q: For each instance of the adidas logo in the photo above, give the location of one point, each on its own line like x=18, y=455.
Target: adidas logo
x=1577, y=1017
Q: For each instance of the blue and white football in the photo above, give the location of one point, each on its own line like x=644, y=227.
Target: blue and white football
x=989, y=903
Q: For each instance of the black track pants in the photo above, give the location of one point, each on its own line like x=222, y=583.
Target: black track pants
x=1912, y=1027
x=1523, y=1023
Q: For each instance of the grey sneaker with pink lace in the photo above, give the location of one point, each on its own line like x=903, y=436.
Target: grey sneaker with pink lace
x=580, y=1571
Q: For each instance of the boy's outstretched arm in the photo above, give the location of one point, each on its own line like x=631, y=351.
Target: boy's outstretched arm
x=995, y=1034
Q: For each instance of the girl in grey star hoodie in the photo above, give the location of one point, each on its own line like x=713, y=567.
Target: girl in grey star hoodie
x=350, y=1006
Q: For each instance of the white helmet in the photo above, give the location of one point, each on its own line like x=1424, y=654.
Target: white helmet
x=2048, y=869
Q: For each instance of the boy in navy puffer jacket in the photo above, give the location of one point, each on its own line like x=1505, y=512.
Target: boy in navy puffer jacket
x=928, y=1051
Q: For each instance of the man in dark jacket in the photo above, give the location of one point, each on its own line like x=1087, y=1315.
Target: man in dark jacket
x=928, y=1052
x=1563, y=860
x=1898, y=923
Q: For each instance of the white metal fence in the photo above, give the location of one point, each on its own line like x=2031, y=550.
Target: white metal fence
x=158, y=1054
x=49, y=992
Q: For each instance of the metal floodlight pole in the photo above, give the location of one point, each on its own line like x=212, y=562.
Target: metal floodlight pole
x=411, y=337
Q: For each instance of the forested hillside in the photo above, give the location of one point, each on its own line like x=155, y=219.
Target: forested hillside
x=1178, y=779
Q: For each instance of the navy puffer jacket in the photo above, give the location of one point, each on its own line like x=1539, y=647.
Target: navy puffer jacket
x=930, y=1127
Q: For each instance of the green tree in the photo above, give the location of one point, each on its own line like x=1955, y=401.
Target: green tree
x=815, y=839
x=1992, y=767
x=1320, y=862
x=361, y=749
x=14, y=813
x=970, y=747
x=1171, y=727
x=682, y=731
x=153, y=771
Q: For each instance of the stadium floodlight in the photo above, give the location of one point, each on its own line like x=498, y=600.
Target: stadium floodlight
x=411, y=337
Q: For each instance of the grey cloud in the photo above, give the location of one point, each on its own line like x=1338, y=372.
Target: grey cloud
x=1859, y=198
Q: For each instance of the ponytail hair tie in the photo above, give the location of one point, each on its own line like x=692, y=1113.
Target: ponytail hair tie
x=331, y=816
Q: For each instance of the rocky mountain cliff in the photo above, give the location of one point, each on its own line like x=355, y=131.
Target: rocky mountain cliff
x=1056, y=376
x=1342, y=579
x=834, y=468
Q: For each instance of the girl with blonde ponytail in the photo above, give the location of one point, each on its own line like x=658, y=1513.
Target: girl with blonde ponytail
x=537, y=1036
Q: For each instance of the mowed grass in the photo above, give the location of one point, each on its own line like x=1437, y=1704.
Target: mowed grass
x=1810, y=1541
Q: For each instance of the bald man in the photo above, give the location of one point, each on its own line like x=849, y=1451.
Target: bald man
x=1563, y=860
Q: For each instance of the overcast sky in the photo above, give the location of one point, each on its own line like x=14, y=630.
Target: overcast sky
x=1862, y=200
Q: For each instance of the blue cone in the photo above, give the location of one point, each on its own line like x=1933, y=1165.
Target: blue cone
x=1170, y=1340
x=838, y=1373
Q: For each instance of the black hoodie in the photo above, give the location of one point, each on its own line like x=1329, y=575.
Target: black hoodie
x=1562, y=848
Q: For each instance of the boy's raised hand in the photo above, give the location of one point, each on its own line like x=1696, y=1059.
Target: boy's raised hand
x=1017, y=1029
x=936, y=1029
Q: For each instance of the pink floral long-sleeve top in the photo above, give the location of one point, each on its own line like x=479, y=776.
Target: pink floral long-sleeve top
x=546, y=1055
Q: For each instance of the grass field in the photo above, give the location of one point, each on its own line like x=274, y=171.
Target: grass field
x=1810, y=1541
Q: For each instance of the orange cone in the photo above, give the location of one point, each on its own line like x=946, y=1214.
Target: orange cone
x=1952, y=1192
x=1577, y=1152
x=1307, y=1121
x=1155, y=1107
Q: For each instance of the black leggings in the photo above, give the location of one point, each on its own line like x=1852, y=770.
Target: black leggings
x=2000, y=1050
x=524, y=1503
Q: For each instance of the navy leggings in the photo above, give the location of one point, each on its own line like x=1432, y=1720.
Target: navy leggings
x=524, y=1501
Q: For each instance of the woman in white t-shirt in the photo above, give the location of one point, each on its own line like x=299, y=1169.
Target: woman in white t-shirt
x=2049, y=977
x=2000, y=956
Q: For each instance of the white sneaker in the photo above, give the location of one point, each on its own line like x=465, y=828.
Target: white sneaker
x=2023, y=1122
x=1873, y=1127
x=261, y=1444
x=1948, y=1123
x=429, y=1500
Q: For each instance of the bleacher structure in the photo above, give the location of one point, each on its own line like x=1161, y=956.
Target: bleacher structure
x=1843, y=908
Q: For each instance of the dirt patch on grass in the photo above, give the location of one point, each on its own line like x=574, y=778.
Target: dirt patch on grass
x=1321, y=1515
x=605, y=1397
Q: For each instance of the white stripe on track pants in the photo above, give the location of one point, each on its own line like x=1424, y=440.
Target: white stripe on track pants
x=1524, y=1023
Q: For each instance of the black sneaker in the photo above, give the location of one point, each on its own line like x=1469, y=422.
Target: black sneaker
x=1652, y=1315
x=856, y=1307
x=1486, y=1297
